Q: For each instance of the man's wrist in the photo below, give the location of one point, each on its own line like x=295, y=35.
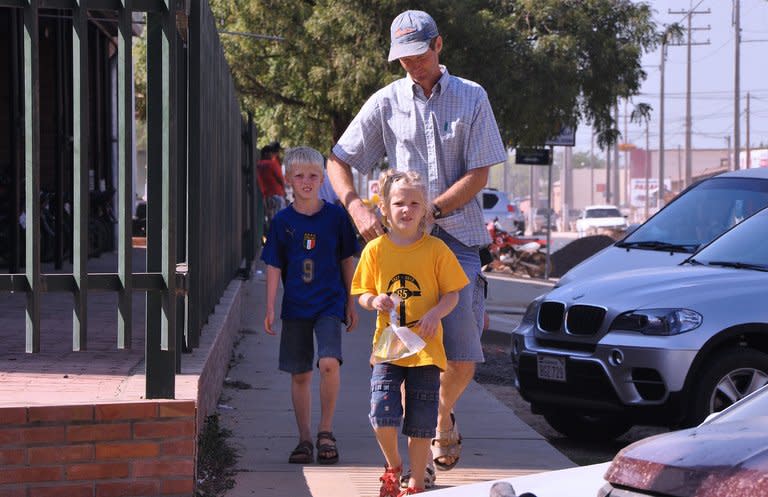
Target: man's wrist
x=437, y=213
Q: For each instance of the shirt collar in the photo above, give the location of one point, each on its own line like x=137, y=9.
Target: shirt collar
x=440, y=87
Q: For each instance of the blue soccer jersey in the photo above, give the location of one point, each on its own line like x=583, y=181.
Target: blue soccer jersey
x=309, y=250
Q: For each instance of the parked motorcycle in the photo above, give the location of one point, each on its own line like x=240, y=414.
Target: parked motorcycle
x=515, y=253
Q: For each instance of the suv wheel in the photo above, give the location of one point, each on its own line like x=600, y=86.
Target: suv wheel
x=587, y=427
x=735, y=373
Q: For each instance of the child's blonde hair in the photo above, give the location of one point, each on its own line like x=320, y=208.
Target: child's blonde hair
x=303, y=155
x=389, y=178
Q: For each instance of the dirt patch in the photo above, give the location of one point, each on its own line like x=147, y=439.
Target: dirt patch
x=497, y=376
x=577, y=251
x=216, y=459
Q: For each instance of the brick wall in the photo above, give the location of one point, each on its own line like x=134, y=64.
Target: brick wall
x=144, y=448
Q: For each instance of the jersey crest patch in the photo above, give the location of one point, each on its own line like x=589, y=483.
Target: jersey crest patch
x=310, y=239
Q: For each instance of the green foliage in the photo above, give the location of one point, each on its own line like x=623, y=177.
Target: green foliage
x=544, y=63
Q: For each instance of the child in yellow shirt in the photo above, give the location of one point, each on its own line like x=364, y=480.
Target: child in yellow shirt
x=423, y=272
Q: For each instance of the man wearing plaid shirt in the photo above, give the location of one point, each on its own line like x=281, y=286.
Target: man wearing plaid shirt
x=443, y=127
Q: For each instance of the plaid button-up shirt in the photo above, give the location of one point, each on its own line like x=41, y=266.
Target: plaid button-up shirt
x=440, y=137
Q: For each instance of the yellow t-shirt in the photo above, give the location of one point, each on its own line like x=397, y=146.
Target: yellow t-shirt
x=419, y=274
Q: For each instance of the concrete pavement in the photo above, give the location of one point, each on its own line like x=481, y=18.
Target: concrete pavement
x=497, y=444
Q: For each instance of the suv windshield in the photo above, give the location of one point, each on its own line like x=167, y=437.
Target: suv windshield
x=743, y=247
x=701, y=214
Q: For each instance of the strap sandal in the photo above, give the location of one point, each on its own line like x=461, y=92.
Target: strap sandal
x=390, y=482
x=446, y=447
x=327, y=452
x=302, y=454
x=410, y=491
x=429, y=477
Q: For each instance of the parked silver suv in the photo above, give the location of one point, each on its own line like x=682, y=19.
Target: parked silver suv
x=664, y=346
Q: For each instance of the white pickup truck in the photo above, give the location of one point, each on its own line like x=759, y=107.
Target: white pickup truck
x=597, y=218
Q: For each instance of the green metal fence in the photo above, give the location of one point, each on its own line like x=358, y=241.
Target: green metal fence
x=202, y=217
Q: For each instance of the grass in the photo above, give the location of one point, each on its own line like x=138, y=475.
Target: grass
x=215, y=460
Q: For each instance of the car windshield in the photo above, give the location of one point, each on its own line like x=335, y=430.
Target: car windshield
x=701, y=214
x=745, y=246
x=606, y=212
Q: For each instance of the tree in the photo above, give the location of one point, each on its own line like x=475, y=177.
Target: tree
x=544, y=63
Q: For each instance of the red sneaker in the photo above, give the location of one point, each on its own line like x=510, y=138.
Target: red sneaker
x=410, y=491
x=390, y=482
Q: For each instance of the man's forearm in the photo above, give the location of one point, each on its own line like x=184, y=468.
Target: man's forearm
x=464, y=190
x=341, y=178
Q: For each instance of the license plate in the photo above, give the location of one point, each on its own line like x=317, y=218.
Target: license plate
x=551, y=367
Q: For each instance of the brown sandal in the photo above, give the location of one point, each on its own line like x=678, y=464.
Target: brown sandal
x=327, y=453
x=302, y=454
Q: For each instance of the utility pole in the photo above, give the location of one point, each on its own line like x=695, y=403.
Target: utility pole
x=728, y=145
x=749, y=158
x=626, y=155
x=737, y=82
x=615, y=189
x=688, y=120
x=592, y=170
x=647, y=168
x=660, y=193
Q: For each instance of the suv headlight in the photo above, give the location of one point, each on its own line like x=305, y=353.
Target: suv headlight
x=658, y=321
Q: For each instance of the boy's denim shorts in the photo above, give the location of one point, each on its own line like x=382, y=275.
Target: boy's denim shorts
x=297, y=348
x=463, y=326
x=422, y=392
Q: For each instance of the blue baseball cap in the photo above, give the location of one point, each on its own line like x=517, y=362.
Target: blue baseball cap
x=411, y=33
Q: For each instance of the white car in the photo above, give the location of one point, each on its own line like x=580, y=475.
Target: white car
x=497, y=206
x=597, y=218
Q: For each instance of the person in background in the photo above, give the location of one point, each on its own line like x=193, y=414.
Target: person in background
x=442, y=127
x=270, y=179
x=310, y=246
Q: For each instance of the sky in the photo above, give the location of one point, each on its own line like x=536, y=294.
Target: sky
x=712, y=77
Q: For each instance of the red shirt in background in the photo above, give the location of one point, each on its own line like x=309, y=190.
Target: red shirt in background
x=270, y=177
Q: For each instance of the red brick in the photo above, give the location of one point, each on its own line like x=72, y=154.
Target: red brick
x=63, y=490
x=163, y=429
x=24, y=475
x=97, y=471
x=177, y=467
x=9, y=457
x=89, y=433
x=60, y=454
x=127, y=489
x=178, y=409
x=61, y=413
x=178, y=487
x=45, y=434
x=14, y=491
x=126, y=410
x=11, y=436
x=129, y=450
x=13, y=415
x=184, y=447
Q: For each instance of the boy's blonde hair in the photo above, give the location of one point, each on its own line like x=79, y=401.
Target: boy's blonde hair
x=389, y=178
x=303, y=155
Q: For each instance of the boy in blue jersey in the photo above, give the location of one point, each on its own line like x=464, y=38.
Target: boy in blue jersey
x=310, y=246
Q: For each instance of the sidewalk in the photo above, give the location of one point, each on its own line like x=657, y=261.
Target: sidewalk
x=496, y=444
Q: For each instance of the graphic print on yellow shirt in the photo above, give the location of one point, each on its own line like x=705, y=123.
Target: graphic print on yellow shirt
x=419, y=274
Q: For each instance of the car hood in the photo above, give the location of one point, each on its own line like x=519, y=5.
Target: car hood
x=712, y=460
x=613, y=258
x=663, y=286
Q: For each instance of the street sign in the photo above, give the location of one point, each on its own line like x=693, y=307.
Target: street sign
x=532, y=156
x=565, y=138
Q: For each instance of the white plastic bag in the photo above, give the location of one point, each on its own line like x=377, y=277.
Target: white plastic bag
x=396, y=342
